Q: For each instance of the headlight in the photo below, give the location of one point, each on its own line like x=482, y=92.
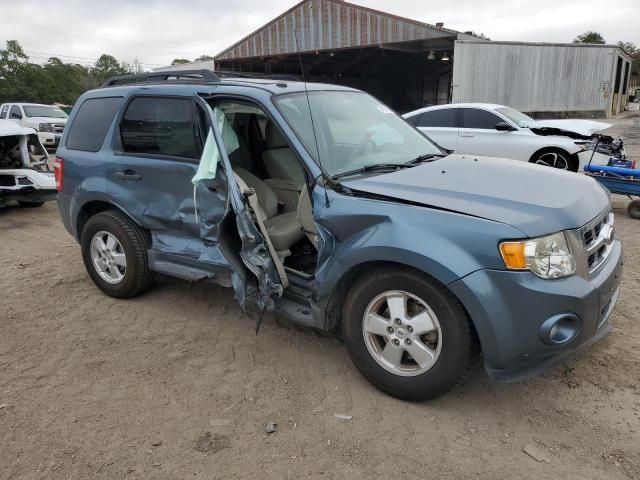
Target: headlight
x=548, y=257
x=45, y=127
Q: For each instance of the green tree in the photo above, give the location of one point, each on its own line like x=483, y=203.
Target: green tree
x=203, y=58
x=589, y=37
x=106, y=66
x=180, y=61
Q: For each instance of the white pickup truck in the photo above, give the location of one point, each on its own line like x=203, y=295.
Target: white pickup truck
x=47, y=120
x=25, y=175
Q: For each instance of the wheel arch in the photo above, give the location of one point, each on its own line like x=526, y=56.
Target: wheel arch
x=93, y=207
x=336, y=301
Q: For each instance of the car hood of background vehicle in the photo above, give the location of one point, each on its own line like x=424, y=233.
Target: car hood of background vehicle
x=62, y=121
x=536, y=200
x=8, y=127
x=585, y=128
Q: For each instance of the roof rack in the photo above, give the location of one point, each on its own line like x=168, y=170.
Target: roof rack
x=264, y=76
x=164, y=76
x=191, y=76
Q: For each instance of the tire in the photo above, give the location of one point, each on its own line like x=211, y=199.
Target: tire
x=132, y=241
x=25, y=204
x=633, y=209
x=556, y=158
x=454, y=335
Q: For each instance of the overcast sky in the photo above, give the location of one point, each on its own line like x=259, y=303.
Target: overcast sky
x=157, y=31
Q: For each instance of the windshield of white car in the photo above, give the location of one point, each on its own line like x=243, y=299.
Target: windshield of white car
x=43, y=111
x=354, y=131
x=515, y=116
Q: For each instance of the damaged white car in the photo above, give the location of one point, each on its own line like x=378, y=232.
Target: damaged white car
x=25, y=176
x=499, y=131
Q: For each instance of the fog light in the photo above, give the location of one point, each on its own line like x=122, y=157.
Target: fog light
x=560, y=329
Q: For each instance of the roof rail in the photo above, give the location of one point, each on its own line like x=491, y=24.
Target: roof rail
x=163, y=76
x=264, y=76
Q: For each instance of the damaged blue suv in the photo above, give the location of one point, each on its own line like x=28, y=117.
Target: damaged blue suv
x=320, y=203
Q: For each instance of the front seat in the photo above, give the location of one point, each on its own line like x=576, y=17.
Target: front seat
x=284, y=230
x=278, y=159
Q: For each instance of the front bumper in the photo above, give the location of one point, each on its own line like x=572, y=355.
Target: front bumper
x=509, y=308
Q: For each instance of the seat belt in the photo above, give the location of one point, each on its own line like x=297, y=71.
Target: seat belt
x=252, y=198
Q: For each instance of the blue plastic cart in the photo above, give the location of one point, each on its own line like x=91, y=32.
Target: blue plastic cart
x=625, y=181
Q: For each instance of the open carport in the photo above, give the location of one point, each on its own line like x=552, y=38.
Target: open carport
x=404, y=62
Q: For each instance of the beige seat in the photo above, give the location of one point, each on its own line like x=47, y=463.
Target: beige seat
x=284, y=230
x=279, y=160
x=305, y=216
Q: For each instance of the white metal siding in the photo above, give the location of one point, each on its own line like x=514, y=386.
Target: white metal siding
x=533, y=77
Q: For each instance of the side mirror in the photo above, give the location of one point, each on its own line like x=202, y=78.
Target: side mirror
x=504, y=127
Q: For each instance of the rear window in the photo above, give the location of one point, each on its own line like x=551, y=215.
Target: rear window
x=444, y=117
x=91, y=123
x=160, y=126
x=476, y=118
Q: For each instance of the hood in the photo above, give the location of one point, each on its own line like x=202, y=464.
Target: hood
x=59, y=121
x=584, y=128
x=536, y=200
x=8, y=127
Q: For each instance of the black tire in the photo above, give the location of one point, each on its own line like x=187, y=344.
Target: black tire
x=563, y=158
x=633, y=209
x=456, y=353
x=25, y=204
x=135, y=243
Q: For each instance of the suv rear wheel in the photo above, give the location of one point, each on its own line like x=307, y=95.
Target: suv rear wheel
x=114, y=250
x=407, y=334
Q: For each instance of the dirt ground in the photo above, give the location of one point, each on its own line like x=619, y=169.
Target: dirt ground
x=97, y=388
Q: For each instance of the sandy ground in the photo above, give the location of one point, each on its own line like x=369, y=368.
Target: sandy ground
x=96, y=388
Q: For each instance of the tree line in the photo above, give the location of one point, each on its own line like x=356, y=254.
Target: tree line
x=58, y=82
x=52, y=82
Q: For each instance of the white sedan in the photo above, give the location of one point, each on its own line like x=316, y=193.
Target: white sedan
x=499, y=131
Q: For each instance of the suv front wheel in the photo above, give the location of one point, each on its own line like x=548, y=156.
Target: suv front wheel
x=407, y=334
x=114, y=250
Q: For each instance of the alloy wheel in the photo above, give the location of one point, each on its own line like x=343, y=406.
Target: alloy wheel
x=402, y=333
x=108, y=257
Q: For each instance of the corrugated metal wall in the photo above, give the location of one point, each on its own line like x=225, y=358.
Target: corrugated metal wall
x=535, y=78
x=329, y=25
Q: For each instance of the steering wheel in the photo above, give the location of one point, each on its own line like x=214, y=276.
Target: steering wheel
x=367, y=145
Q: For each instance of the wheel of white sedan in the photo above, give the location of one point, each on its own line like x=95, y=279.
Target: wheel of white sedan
x=555, y=158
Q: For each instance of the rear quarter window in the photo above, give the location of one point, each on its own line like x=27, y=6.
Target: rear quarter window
x=91, y=123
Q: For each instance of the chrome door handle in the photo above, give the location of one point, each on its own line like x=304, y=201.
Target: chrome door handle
x=467, y=135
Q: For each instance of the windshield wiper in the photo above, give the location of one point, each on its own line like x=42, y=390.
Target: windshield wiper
x=372, y=168
x=429, y=157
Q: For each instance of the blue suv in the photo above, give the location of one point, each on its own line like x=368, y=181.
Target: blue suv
x=320, y=203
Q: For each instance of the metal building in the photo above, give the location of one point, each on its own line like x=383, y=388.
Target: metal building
x=404, y=62
x=543, y=79
x=410, y=64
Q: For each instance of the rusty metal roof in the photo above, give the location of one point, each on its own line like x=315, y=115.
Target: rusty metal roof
x=329, y=25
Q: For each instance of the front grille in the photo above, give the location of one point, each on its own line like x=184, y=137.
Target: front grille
x=58, y=127
x=7, y=181
x=597, y=241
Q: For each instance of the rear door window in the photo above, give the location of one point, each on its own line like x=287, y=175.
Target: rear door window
x=476, y=118
x=3, y=112
x=160, y=126
x=15, y=112
x=91, y=123
x=442, y=118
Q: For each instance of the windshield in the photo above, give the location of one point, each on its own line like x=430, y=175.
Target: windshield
x=43, y=111
x=515, y=116
x=354, y=130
